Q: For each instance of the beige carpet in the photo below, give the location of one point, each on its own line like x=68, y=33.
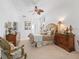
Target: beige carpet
x=48, y=52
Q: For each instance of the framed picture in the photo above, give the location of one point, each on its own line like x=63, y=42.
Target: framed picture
x=10, y=27
x=27, y=25
x=15, y=25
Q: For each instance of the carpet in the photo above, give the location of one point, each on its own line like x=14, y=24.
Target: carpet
x=47, y=52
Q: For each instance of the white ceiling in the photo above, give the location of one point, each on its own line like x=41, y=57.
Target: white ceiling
x=49, y=5
x=53, y=8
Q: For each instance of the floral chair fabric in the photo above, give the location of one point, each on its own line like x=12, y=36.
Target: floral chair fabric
x=8, y=53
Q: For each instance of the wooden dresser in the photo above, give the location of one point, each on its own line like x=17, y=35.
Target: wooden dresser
x=11, y=38
x=65, y=41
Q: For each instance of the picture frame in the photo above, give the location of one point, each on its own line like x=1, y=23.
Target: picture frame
x=27, y=25
x=10, y=27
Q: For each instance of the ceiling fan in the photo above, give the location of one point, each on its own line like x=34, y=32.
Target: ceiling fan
x=37, y=10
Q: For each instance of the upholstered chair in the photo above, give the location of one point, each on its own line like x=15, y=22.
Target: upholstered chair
x=7, y=52
x=31, y=39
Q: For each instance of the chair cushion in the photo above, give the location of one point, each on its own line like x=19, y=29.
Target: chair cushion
x=4, y=44
x=31, y=36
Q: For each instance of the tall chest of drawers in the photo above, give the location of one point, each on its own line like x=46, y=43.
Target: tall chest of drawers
x=11, y=38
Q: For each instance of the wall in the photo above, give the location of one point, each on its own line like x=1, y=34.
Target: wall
x=7, y=13
x=75, y=24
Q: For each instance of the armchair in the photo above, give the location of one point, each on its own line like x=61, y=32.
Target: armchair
x=8, y=53
x=33, y=43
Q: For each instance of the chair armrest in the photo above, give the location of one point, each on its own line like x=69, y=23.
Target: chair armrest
x=17, y=48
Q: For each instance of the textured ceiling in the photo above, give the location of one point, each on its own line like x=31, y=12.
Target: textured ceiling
x=49, y=5
x=54, y=8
